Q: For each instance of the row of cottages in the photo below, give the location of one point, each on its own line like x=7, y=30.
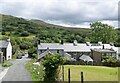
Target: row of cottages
x=5, y=50
x=79, y=51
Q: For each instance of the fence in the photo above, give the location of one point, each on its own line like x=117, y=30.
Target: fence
x=69, y=76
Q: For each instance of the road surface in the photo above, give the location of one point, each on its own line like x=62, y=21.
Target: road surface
x=18, y=72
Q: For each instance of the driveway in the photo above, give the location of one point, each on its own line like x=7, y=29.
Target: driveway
x=18, y=72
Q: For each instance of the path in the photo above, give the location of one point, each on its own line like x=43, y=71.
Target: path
x=18, y=72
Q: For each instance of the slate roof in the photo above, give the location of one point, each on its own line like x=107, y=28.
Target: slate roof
x=67, y=47
x=43, y=54
x=3, y=44
x=81, y=47
x=104, y=50
x=86, y=58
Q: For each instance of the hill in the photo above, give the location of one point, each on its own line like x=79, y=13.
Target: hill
x=21, y=27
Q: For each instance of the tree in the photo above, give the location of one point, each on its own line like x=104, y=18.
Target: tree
x=87, y=39
x=23, y=46
x=103, y=32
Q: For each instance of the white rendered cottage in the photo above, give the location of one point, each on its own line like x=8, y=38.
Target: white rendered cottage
x=6, y=48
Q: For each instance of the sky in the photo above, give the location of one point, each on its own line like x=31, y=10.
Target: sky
x=69, y=13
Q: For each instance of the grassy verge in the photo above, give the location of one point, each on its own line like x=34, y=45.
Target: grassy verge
x=91, y=73
x=7, y=64
x=36, y=71
x=0, y=64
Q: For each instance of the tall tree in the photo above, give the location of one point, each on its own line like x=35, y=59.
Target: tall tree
x=103, y=32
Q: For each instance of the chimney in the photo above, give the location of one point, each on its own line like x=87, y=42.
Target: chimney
x=38, y=41
x=62, y=42
x=103, y=47
x=75, y=43
x=8, y=40
x=100, y=43
x=88, y=43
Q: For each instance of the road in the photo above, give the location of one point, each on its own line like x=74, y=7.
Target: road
x=18, y=72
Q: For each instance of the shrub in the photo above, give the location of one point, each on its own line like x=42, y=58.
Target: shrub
x=14, y=56
x=34, y=55
x=6, y=64
x=111, y=62
x=19, y=56
x=24, y=33
x=23, y=46
x=32, y=51
x=3, y=33
x=51, y=62
x=36, y=71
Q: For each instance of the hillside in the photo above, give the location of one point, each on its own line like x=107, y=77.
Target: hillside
x=24, y=28
x=15, y=26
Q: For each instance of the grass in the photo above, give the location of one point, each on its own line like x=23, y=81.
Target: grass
x=36, y=71
x=91, y=73
x=7, y=64
x=0, y=64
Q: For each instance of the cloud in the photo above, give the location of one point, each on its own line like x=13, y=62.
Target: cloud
x=64, y=12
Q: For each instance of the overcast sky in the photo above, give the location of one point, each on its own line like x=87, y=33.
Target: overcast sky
x=77, y=13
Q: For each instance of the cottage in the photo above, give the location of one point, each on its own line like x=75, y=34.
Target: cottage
x=75, y=51
x=6, y=48
x=68, y=50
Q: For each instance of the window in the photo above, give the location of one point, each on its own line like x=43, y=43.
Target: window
x=8, y=56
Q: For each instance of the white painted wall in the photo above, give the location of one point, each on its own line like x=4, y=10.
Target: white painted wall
x=9, y=51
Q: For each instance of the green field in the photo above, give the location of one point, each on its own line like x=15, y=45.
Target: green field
x=91, y=73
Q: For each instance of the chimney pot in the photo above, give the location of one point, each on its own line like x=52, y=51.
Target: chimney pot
x=75, y=43
x=88, y=43
x=8, y=40
x=38, y=41
x=99, y=43
x=62, y=42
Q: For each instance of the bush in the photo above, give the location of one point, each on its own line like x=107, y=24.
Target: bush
x=7, y=64
x=23, y=46
x=112, y=62
x=24, y=33
x=14, y=56
x=34, y=55
x=51, y=62
x=3, y=33
x=19, y=56
x=32, y=51
x=36, y=71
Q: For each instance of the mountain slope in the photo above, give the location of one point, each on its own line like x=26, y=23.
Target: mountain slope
x=22, y=27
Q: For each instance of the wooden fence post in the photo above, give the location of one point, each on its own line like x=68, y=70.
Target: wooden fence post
x=69, y=75
x=82, y=78
x=63, y=73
